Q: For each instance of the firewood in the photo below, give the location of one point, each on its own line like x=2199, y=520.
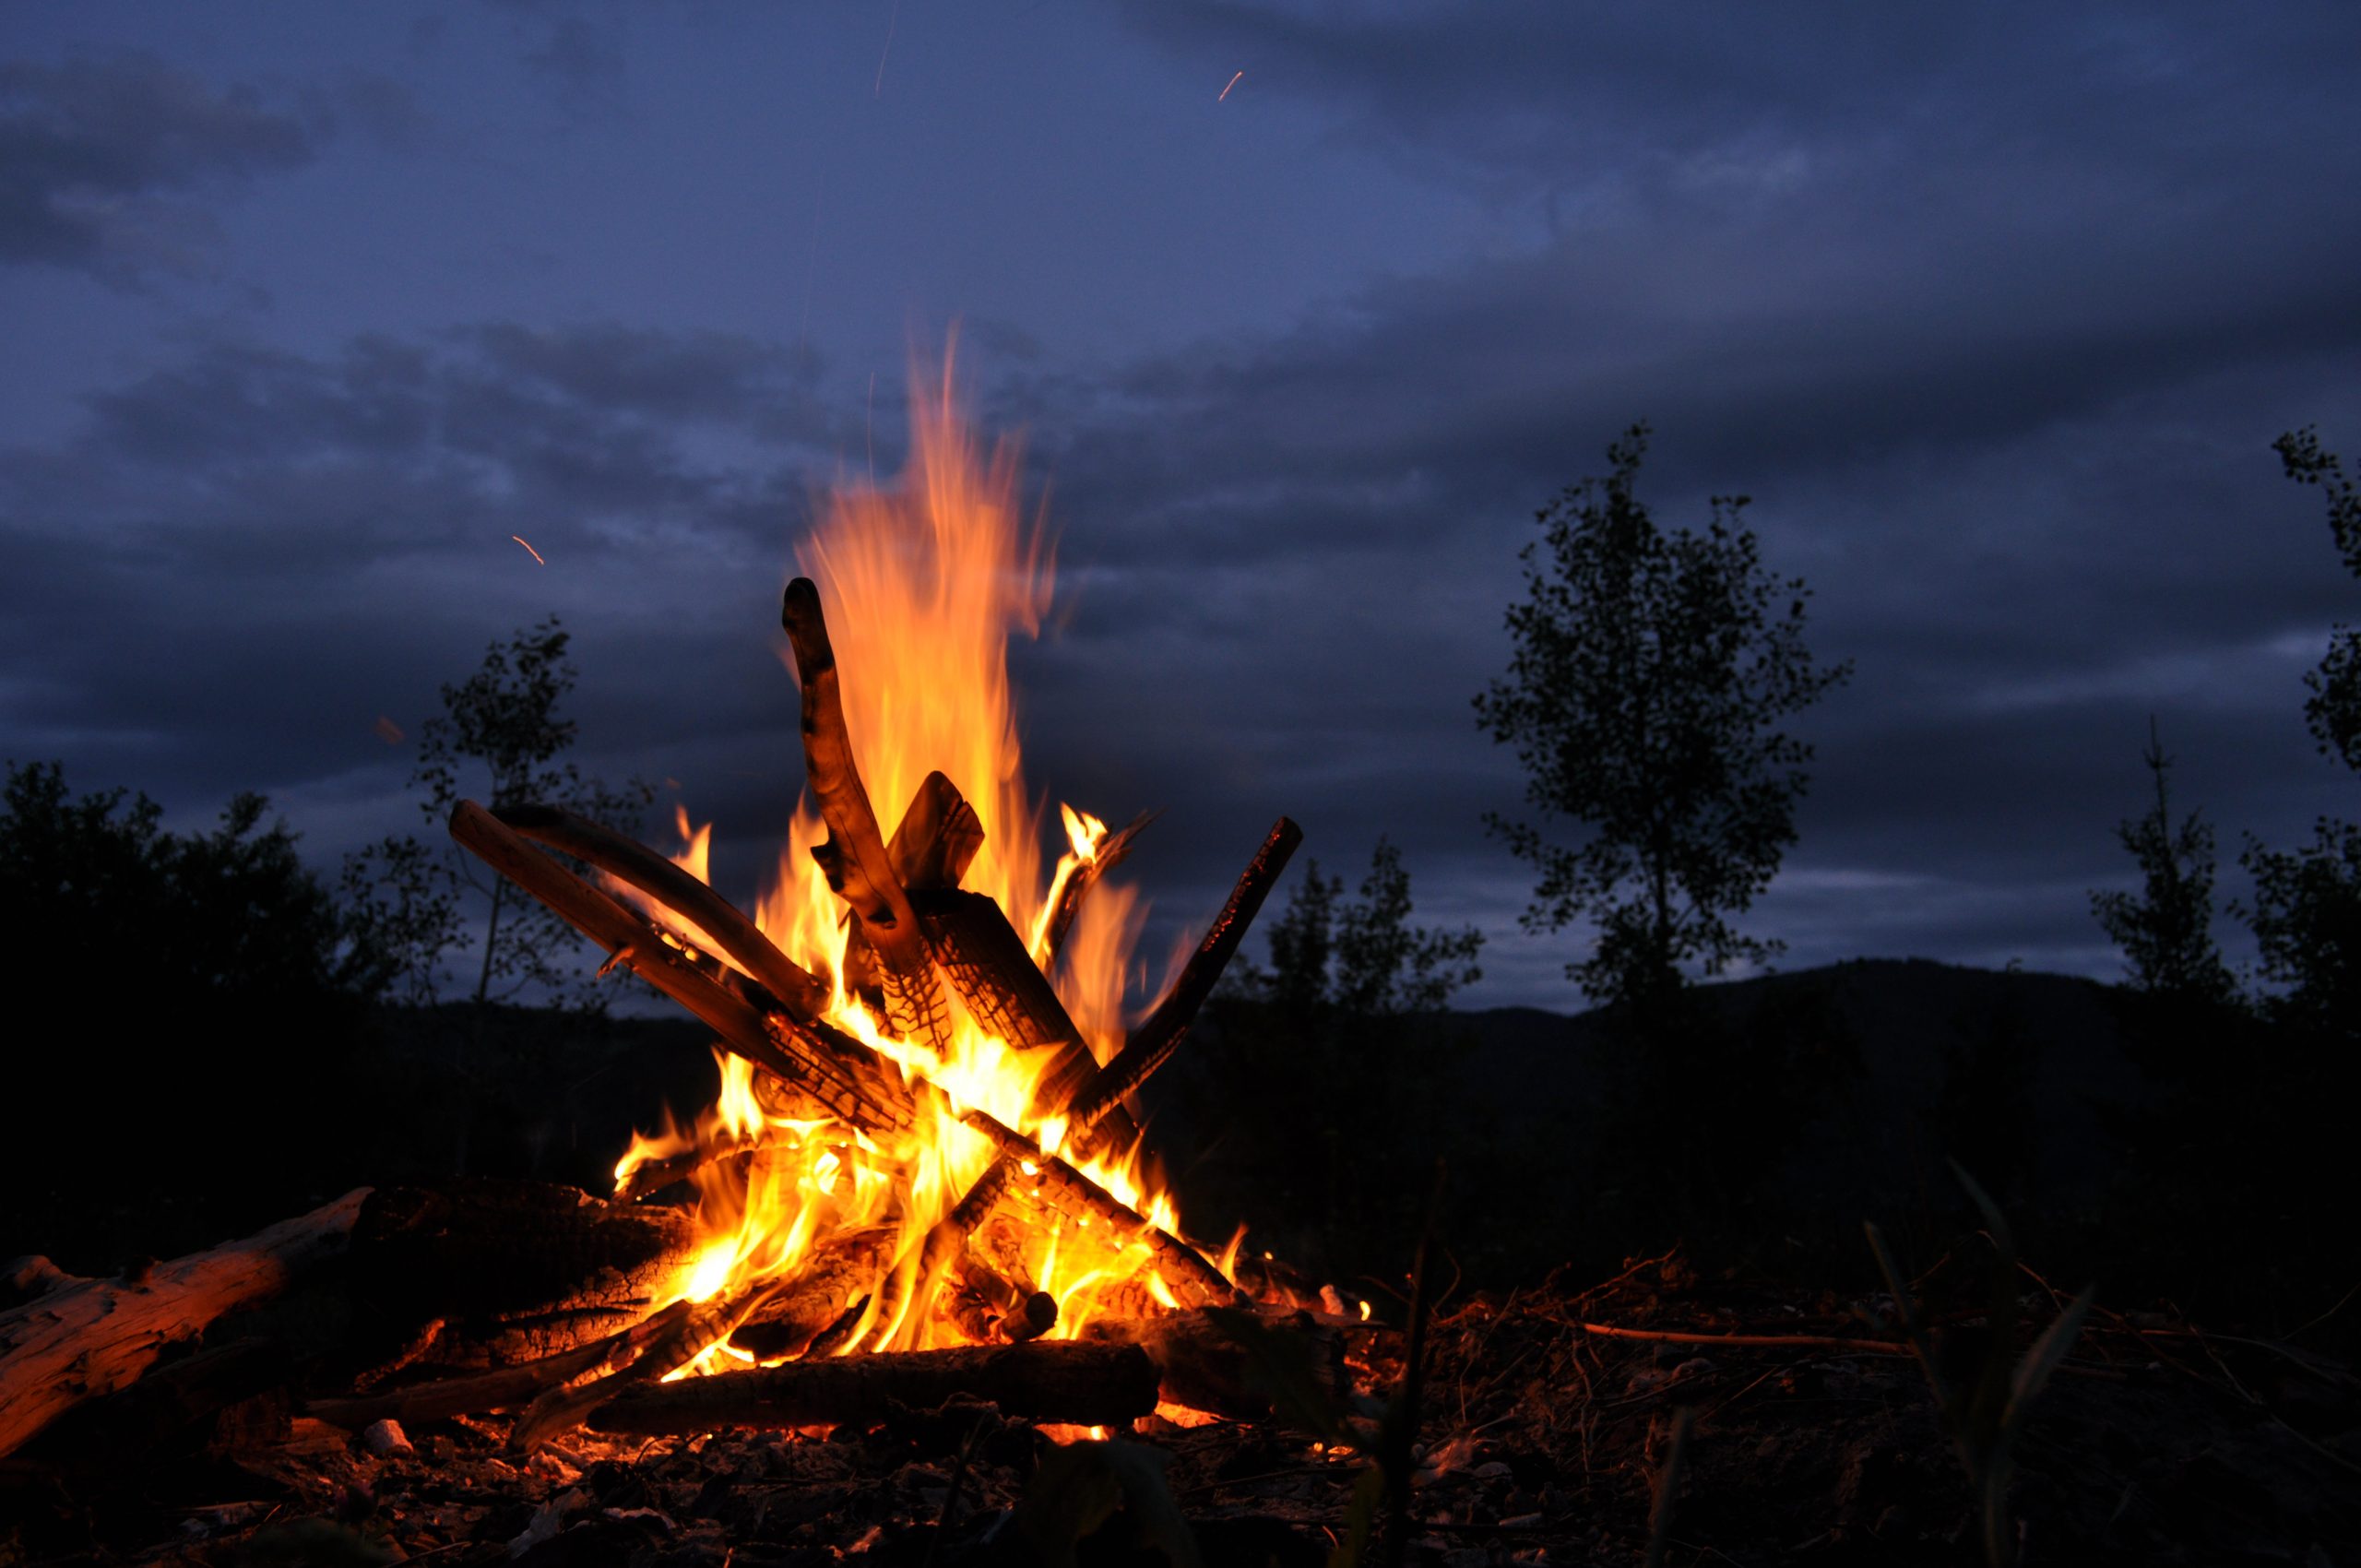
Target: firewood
x=839, y=1272
x=512, y=1271
x=1085, y=876
x=93, y=1337
x=1202, y=1360
x=986, y=1305
x=718, y=924
x=1065, y=1188
x=1086, y=1384
x=1160, y=1035
x=854, y=858
x=938, y=836
x=839, y=1073
x=502, y=1389
x=558, y=1411
x=931, y=848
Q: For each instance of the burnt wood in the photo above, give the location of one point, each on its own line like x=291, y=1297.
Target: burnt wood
x=90, y=1337
x=854, y=858
x=717, y=925
x=1160, y=1033
x=1086, y=1384
x=1085, y=876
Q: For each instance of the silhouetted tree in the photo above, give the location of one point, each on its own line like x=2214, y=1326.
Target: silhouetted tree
x=1330, y=1067
x=2307, y=905
x=206, y=1005
x=2167, y=929
x=499, y=739
x=1650, y=670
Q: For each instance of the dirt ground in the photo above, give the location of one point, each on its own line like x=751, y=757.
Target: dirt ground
x=1540, y=1441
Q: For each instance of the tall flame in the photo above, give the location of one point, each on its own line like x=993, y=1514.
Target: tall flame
x=923, y=584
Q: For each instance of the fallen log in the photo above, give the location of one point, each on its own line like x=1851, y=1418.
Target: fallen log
x=93, y=1337
x=1086, y=1385
x=1160, y=1033
x=713, y=920
x=854, y=858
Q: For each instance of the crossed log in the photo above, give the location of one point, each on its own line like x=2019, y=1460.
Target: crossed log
x=916, y=937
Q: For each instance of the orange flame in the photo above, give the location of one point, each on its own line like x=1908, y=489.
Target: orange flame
x=923, y=583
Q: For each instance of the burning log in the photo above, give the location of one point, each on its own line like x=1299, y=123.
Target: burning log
x=688, y=1336
x=1086, y=1384
x=1161, y=1034
x=937, y=840
x=854, y=858
x=723, y=927
x=1065, y=1188
x=92, y=1337
x=815, y=1059
x=839, y=1272
x=986, y=1307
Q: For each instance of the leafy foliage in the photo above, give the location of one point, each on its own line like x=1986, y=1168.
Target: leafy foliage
x=99, y=887
x=1650, y=670
x=499, y=739
x=2306, y=908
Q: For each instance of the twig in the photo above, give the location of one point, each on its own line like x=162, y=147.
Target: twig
x=1668, y=1487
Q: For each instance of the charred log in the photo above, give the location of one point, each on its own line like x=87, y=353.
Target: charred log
x=507, y=1272
x=715, y=922
x=1208, y=1361
x=1160, y=1035
x=1088, y=1384
x=1076, y=888
x=839, y=1074
x=854, y=858
x=1063, y=1187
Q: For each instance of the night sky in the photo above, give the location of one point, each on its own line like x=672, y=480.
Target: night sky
x=1994, y=310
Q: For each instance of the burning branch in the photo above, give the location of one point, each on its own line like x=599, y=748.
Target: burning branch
x=1160, y=1035
x=814, y=1060
x=854, y=859
x=724, y=930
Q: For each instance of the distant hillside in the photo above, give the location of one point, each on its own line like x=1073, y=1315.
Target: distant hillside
x=1911, y=1021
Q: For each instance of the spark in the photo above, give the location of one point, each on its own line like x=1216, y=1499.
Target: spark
x=892, y=16
x=530, y=550
x=1233, y=82
x=387, y=730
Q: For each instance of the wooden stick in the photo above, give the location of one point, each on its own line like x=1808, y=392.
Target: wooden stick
x=1060, y=1185
x=814, y=1058
x=502, y=1389
x=92, y=1337
x=1086, y=1384
x=854, y=858
x=727, y=931
x=1161, y=1034
x=705, y=1323
x=1112, y=850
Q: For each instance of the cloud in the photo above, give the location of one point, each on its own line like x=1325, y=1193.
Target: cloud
x=96, y=152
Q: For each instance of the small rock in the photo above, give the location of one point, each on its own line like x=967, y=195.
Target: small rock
x=1492, y=1470
x=385, y=1440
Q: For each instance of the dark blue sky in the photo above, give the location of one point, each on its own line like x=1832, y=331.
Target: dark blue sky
x=1994, y=310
